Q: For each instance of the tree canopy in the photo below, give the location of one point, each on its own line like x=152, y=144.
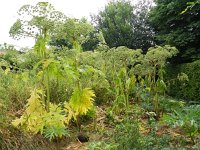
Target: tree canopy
x=74, y=31
x=177, y=29
x=124, y=24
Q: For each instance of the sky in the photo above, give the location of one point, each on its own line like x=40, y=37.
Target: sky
x=71, y=8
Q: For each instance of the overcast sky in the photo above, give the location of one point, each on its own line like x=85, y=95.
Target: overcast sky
x=73, y=8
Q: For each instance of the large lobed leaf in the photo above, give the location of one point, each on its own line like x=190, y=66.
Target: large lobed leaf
x=80, y=103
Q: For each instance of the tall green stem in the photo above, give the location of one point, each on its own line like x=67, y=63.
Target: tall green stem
x=47, y=89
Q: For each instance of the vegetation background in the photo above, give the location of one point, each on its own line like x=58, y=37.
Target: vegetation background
x=129, y=79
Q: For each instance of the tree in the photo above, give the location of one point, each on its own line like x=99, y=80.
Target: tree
x=143, y=32
x=92, y=42
x=74, y=31
x=176, y=29
x=123, y=24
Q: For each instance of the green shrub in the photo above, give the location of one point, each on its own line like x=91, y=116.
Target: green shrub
x=127, y=135
x=188, y=90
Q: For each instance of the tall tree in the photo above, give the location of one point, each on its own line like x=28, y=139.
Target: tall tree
x=74, y=31
x=123, y=24
x=178, y=29
x=143, y=32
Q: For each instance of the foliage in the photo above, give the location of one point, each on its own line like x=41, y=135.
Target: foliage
x=153, y=69
x=50, y=72
x=127, y=135
x=187, y=119
x=18, y=60
x=93, y=41
x=175, y=29
x=10, y=58
x=15, y=88
x=158, y=55
x=54, y=132
x=79, y=104
x=32, y=117
x=40, y=45
x=28, y=60
x=36, y=119
x=93, y=74
x=169, y=104
x=101, y=146
x=143, y=34
x=187, y=88
x=117, y=58
x=146, y=70
x=124, y=85
x=39, y=19
x=121, y=80
x=73, y=32
x=123, y=24
x=66, y=79
x=82, y=101
x=190, y=6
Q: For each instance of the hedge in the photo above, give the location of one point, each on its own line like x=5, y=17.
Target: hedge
x=188, y=90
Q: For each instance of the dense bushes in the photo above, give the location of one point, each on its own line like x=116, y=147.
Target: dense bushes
x=188, y=90
x=69, y=75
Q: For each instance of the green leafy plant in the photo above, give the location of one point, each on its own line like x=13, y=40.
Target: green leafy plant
x=101, y=145
x=54, y=132
x=184, y=81
x=127, y=135
x=190, y=6
x=36, y=119
x=79, y=104
x=50, y=71
x=187, y=119
x=155, y=61
x=168, y=104
x=124, y=85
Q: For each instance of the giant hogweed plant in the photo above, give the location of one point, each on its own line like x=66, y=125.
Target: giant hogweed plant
x=41, y=22
x=44, y=112
x=79, y=104
x=41, y=115
x=89, y=72
x=81, y=100
x=50, y=71
x=52, y=122
x=148, y=68
x=121, y=80
x=34, y=20
x=36, y=119
x=154, y=62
